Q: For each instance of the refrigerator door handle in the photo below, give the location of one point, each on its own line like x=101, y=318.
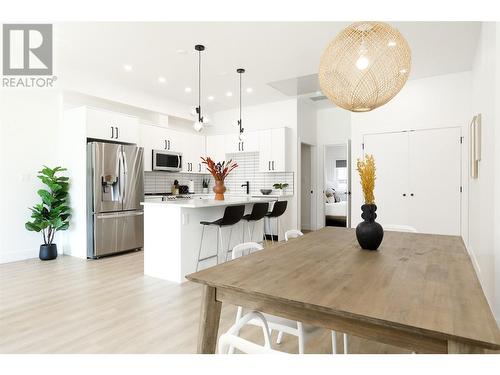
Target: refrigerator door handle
x=120, y=214
x=123, y=172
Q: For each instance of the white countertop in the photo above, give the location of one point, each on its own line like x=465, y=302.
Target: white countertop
x=210, y=202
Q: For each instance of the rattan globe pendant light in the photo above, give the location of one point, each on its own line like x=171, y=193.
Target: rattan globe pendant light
x=365, y=66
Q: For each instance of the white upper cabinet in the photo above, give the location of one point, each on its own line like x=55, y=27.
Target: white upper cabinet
x=112, y=126
x=192, y=147
x=233, y=144
x=216, y=147
x=153, y=138
x=272, y=150
x=250, y=142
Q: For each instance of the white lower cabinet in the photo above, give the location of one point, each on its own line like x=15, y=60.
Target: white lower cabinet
x=418, y=178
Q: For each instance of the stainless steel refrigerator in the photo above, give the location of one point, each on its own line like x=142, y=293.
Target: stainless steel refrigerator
x=115, y=188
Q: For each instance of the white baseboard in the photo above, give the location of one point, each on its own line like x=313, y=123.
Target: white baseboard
x=475, y=264
x=18, y=255
x=15, y=256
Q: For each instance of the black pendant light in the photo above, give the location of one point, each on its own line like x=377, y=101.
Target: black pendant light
x=240, y=71
x=198, y=125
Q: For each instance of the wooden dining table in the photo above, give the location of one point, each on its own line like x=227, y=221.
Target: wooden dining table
x=417, y=291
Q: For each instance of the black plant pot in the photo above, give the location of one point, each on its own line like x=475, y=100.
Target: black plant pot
x=369, y=233
x=48, y=252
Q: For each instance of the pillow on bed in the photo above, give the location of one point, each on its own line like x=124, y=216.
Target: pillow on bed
x=336, y=197
x=330, y=199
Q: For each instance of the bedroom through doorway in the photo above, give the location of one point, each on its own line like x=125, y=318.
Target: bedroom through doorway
x=337, y=199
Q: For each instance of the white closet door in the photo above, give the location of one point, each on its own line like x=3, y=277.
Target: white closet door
x=435, y=167
x=390, y=151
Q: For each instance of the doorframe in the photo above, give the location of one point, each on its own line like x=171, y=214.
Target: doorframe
x=346, y=143
x=314, y=179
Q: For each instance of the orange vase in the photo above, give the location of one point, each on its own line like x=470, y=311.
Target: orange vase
x=219, y=190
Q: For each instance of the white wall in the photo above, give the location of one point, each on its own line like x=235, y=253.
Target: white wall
x=333, y=126
x=497, y=176
x=267, y=116
x=305, y=185
x=29, y=121
x=483, y=215
x=434, y=102
x=306, y=130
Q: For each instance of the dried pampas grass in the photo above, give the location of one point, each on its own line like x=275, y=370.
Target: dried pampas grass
x=366, y=169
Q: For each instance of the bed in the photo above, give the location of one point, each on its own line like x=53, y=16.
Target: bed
x=336, y=210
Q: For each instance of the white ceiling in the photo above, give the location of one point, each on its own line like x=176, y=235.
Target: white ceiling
x=269, y=52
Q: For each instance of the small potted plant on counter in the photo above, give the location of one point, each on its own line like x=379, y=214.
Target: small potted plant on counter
x=204, y=184
x=280, y=187
x=52, y=215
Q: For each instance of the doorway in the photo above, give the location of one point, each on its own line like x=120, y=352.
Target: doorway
x=337, y=185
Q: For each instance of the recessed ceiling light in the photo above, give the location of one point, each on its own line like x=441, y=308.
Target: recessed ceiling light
x=210, y=98
x=249, y=90
x=181, y=52
x=229, y=94
x=187, y=89
x=162, y=79
x=127, y=67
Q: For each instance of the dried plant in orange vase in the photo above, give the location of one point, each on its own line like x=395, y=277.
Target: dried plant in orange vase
x=219, y=171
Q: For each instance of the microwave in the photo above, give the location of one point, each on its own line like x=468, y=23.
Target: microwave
x=166, y=161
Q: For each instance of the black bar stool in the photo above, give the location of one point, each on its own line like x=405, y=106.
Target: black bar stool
x=259, y=211
x=279, y=209
x=232, y=216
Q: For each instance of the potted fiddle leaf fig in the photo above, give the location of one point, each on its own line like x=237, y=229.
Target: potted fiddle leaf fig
x=53, y=213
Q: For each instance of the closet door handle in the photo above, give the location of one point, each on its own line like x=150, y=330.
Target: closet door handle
x=116, y=127
x=112, y=132
x=269, y=166
x=273, y=165
x=199, y=167
x=412, y=194
x=404, y=194
x=166, y=144
x=242, y=146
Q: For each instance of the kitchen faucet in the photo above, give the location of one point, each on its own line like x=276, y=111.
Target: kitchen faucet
x=248, y=186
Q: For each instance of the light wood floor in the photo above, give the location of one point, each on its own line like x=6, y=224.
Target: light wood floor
x=71, y=305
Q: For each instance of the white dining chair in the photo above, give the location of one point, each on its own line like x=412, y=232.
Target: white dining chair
x=400, y=228
x=282, y=325
x=293, y=233
x=231, y=339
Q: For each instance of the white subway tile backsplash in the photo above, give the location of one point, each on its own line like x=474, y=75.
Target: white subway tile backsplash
x=161, y=182
x=248, y=170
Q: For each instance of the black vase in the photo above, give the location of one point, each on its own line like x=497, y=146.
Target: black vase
x=48, y=252
x=369, y=233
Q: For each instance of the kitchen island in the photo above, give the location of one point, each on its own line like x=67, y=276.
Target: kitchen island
x=172, y=234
